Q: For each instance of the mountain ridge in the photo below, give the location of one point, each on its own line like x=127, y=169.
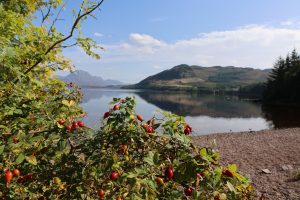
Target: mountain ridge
x=186, y=77
x=85, y=79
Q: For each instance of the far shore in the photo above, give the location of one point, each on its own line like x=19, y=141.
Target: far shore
x=276, y=150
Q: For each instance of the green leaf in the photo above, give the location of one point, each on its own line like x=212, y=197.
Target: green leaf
x=20, y=159
x=156, y=158
x=140, y=171
x=2, y=149
x=131, y=175
x=36, y=138
x=31, y=159
x=155, y=126
x=150, y=158
x=62, y=145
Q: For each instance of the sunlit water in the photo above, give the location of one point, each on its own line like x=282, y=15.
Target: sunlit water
x=206, y=113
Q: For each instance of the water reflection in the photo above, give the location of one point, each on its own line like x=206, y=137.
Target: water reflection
x=282, y=116
x=206, y=113
x=194, y=104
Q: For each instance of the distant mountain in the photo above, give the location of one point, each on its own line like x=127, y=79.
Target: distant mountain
x=185, y=77
x=84, y=79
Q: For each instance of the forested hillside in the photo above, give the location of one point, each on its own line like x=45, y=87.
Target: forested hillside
x=185, y=77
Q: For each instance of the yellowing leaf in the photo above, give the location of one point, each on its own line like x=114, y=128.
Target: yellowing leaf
x=59, y=126
x=56, y=180
x=231, y=187
x=68, y=103
x=72, y=103
x=232, y=168
x=31, y=159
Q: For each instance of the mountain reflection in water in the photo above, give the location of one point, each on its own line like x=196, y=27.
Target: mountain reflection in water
x=206, y=113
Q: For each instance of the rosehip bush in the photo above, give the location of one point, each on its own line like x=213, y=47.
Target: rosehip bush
x=47, y=152
x=123, y=159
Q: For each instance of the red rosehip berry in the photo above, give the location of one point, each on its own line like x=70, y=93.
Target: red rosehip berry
x=116, y=107
x=80, y=123
x=106, y=115
x=8, y=176
x=169, y=173
x=69, y=127
x=61, y=121
x=101, y=193
x=188, y=191
x=187, y=129
x=149, y=129
x=188, y=126
x=74, y=125
x=119, y=198
x=139, y=117
x=159, y=181
x=114, y=176
x=16, y=172
x=14, y=138
x=27, y=177
x=227, y=173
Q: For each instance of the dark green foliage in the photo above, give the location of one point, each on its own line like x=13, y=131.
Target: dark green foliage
x=283, y=85
x=254, y=90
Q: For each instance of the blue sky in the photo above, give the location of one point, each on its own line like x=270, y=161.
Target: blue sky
x=143, y=37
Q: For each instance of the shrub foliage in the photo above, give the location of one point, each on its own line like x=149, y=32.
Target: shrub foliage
x=46, y=151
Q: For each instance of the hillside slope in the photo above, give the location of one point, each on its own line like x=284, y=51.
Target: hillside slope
x=187, y=77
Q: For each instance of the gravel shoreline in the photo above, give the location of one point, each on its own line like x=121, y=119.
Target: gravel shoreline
x=276, y=150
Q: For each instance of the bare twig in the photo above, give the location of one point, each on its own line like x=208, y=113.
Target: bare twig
x=46, y=15
x=57, y=17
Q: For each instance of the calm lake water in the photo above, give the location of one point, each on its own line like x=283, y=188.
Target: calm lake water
x=206, y=113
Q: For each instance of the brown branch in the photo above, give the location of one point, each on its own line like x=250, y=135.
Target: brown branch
x=79, y=17
x=66, y=46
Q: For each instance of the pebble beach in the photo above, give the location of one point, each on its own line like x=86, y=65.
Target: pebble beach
x=270, y=157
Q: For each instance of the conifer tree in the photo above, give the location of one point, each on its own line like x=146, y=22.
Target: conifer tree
x=283, y=84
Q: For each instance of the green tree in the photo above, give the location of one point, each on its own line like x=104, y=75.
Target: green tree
x=283, y=82
x=31, y=98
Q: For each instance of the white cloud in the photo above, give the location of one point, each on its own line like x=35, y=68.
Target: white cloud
x=145, y=40
x=287, y=23
x=291, y=23
x=253, y=46
x=249, y=46
x=98, y=34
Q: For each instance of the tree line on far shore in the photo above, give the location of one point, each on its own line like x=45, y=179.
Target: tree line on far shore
x=283, y=84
